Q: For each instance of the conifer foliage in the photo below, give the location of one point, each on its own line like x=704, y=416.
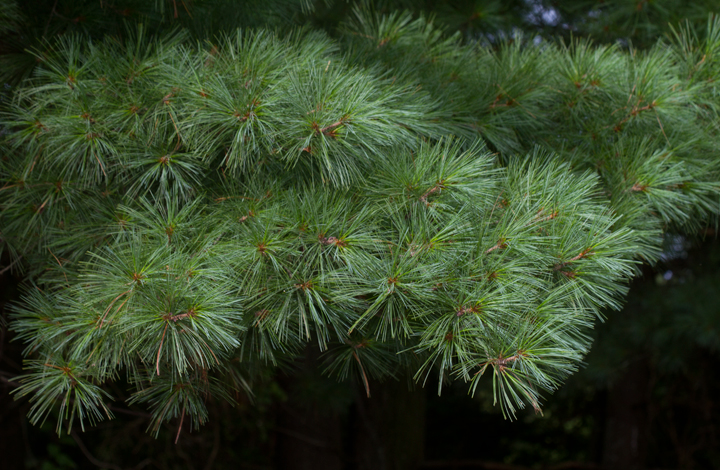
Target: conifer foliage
x=188, y=213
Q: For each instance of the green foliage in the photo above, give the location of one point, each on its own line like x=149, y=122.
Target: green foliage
x=68, y=384
x=189, y=213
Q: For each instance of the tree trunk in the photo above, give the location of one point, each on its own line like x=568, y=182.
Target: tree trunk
x=626, y=425
x=331, y=426
x=390, y=427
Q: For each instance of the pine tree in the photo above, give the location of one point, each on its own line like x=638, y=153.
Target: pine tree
x=188, y=213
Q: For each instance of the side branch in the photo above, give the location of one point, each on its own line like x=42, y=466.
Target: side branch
x=499, y=245
x=439, y=186
x=584, y=254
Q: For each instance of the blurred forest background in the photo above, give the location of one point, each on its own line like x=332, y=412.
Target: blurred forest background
x=647, y=398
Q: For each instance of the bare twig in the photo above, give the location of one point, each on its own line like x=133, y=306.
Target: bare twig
x=9, y=266
x=585, y=253
x=52, y=12
x=157, y=363
x=439, y=186
x=59, y=264
x=182, y=418
x=216, y=447
x=500, y=244
x=89, y=456
x=365, y=379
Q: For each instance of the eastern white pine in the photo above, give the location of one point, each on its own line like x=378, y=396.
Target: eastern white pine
x=413, y=203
